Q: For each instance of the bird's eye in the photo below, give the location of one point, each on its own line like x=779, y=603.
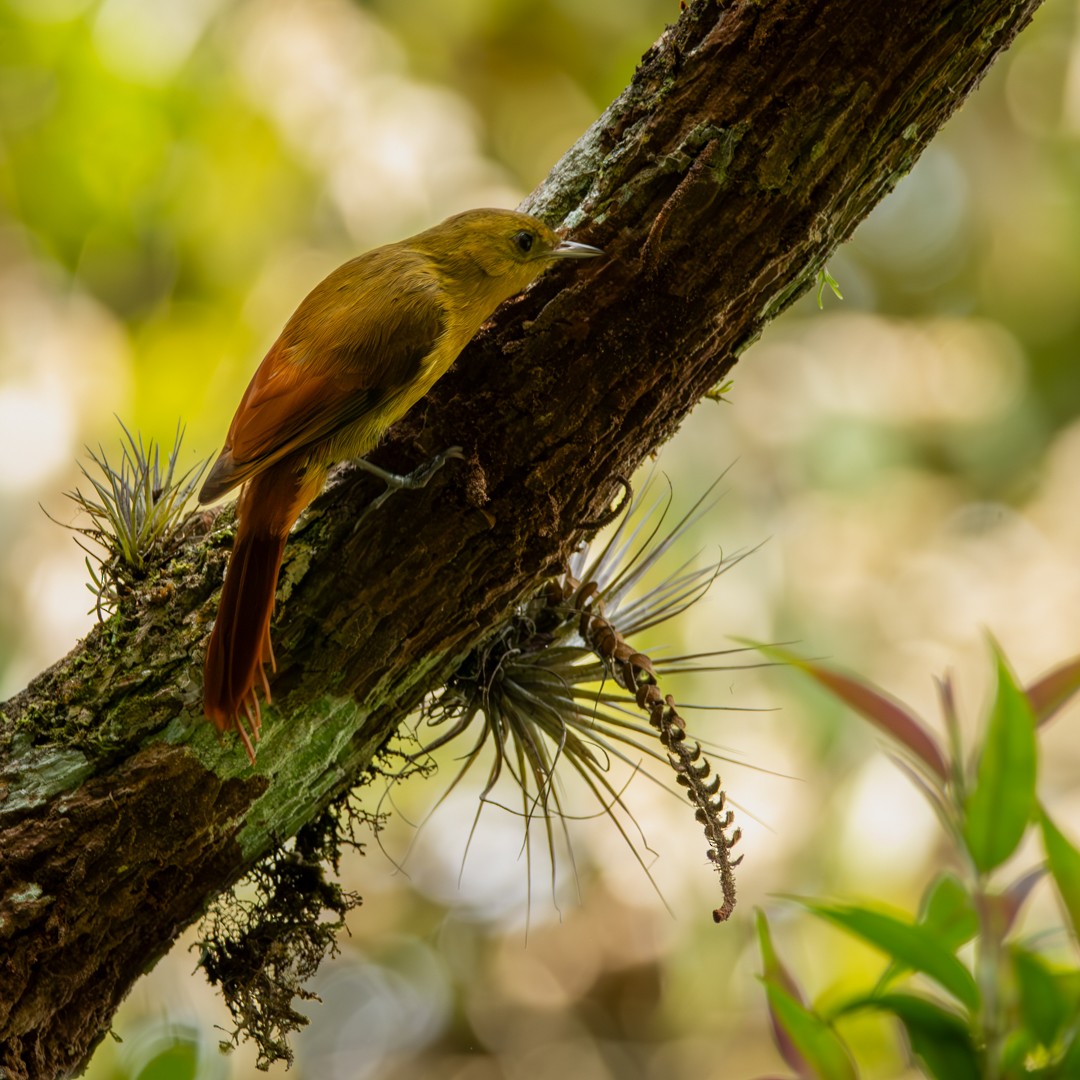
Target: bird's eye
x=524, y=241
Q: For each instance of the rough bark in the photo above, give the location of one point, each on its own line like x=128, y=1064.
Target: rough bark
x=752, y=140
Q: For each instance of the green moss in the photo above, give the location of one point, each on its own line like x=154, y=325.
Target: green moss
x=262, y=952
x=43, y=773
x=787, y=295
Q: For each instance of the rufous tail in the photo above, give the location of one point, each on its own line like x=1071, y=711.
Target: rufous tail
x=240, y=641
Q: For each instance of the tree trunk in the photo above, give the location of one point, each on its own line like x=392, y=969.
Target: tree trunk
x=752, y=140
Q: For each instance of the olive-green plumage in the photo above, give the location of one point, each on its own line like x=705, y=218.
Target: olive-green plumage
x=364, y=345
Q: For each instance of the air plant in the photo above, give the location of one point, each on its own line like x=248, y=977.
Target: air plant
x=559, y=691
x=134, y=518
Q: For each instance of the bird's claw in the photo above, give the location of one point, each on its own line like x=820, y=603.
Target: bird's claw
x=414, y=480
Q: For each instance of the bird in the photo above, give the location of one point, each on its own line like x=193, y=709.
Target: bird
x=363, y=347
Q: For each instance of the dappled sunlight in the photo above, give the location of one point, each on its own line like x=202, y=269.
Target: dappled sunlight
x=887, y=832
x=35, y=437
x=334, y=81
x=879, y=369
x=65, y=363
x=489, y=882
x=175, y=177
x=148, y=43
x=65, y=367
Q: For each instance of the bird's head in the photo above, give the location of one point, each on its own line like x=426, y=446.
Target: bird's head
x=496, y=253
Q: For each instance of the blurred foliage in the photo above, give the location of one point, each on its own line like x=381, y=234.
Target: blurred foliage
x=176, y=174
x=1007, y=1007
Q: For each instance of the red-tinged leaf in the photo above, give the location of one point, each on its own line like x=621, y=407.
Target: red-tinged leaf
x=1002, y=799
x=947, y=697
x=1064, y=860
x=882, y=710
x=776, y=974
x=914, y=946
x=774, y=969
x=1006, y=905
x=822, y=1051
x=886, y=713
x=1053, y=690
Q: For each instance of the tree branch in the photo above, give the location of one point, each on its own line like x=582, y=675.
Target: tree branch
x=751, y=141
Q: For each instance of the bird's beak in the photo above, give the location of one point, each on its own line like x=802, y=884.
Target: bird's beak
x=567, y=249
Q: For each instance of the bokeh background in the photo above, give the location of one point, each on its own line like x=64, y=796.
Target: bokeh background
x=176, y=174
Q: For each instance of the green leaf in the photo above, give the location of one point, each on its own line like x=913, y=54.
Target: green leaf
x=776, y=974
x=825, y=278
x=949, y=911
x=1064, y=862
x=916, y=947
x=1002, y=797
x=883, y=711
x=939, y=1038
x=719, y=393
x=177, y=1062
x=1070, y=1060
x=822, y=1050
x=1043, y=1004
x=1015, y=1054
x=946, y=911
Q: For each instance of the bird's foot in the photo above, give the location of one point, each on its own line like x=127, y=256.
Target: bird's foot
x=418, y=478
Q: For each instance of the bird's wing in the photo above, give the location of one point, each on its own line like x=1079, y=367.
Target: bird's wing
x=320, y=376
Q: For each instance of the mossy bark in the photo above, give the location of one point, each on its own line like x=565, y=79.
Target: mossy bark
x=752, y=140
